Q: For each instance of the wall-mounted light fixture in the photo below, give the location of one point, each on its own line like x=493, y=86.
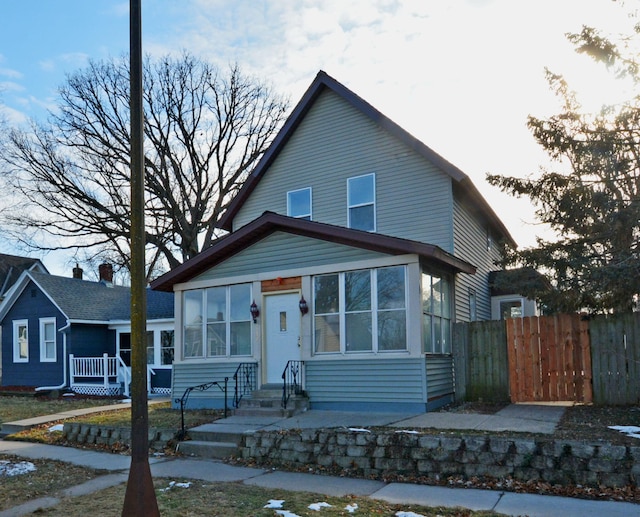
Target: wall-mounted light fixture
x=255, y=312
x=304, y=307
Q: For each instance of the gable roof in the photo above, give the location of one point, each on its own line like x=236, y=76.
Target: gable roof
x=322, y=82
x=12, y=266
x=270, y=222
x=82, y=300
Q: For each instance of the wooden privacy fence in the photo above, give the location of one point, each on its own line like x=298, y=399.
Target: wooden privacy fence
x=615, y=358
x=549, y=358
x=481, y=367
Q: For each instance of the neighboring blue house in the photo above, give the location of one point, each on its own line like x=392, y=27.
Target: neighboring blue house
x=12, y=266
x=353, y=247
x=48, y=319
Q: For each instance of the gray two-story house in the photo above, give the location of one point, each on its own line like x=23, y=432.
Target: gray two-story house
x=353, y=247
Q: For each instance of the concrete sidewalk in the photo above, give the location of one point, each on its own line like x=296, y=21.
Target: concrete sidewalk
x=181, y=469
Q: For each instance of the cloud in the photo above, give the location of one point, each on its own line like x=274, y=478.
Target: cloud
x=66, y=61
x=10, y=73
x=10, y=86
x=13, y=116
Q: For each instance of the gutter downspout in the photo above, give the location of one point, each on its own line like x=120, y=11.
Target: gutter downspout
x=64, y=362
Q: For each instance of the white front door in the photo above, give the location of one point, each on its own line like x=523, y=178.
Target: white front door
x=282, y=334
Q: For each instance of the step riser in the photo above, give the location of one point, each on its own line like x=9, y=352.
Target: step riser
x=212, y=450
x=266, y=394
x=279, y=412
x=206, y=436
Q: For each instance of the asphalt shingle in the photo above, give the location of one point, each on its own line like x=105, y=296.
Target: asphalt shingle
x=95, y=301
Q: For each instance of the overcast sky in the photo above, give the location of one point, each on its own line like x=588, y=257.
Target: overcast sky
x=460, y=75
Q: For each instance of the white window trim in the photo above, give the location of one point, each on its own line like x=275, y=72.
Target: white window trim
x=373, y=203
x=374, y=310
x=302, y=216
x=43, y=345
x=16, y=342
x=157, y=347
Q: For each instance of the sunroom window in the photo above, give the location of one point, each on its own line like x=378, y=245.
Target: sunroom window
x=218, y=317
x=436, y=314
x=360, y=311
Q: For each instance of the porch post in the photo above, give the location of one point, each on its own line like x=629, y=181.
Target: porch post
x=72, y=372
x=105, y=372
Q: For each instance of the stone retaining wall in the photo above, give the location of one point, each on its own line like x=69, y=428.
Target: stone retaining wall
x=438, y=456
x=104, y=435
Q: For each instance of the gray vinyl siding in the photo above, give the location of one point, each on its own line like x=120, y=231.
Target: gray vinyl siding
x=188, y=374
x=334, y=142
x=470, y=234
x=440, y=388
x=282, y=251
x=367, y=381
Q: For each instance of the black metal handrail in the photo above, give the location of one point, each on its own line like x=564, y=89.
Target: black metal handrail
x=245, y=379
x=292, y=378
x=200, y=387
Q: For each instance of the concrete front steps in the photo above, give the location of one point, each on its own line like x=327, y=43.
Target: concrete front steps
x=267, y=401
x=220, y=439
x=208, y=442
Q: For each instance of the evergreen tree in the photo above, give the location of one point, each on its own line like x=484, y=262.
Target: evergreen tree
x=592, y=200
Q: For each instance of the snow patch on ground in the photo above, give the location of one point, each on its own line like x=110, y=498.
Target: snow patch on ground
x=408, y=514
x=359, y=430
x=274, y=503
x=630, y=430
x=57, y=427
x=351, y=508
x=15, y=468
x=318, y=506
x=173, y=484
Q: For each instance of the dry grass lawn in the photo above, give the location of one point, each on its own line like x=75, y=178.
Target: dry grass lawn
x=14, y=408
x=48, y=478
x=238, y=500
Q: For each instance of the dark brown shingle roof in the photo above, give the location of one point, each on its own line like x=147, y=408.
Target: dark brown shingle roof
x=270, y=222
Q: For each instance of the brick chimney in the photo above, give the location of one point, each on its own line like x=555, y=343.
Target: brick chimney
x=77, y=272
x=105, y=271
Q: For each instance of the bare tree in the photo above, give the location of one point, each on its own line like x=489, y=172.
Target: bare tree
x=204, y=131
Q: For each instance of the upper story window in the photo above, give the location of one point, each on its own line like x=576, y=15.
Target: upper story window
x=299, y=203
x=217, y=321
x=436, y=314
x=21, y=341
x=360, y=311
x=47, y=339
x=361, y=201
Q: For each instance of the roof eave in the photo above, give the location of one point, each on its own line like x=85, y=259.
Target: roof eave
x=271, y=222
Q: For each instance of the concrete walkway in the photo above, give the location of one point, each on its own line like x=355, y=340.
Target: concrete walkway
x=525, y=418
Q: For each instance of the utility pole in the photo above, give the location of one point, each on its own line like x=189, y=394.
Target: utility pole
x=140, y=497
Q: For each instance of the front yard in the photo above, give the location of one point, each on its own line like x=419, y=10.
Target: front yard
x=14, y=408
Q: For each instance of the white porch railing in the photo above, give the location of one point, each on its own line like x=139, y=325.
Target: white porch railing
x=102, y=375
